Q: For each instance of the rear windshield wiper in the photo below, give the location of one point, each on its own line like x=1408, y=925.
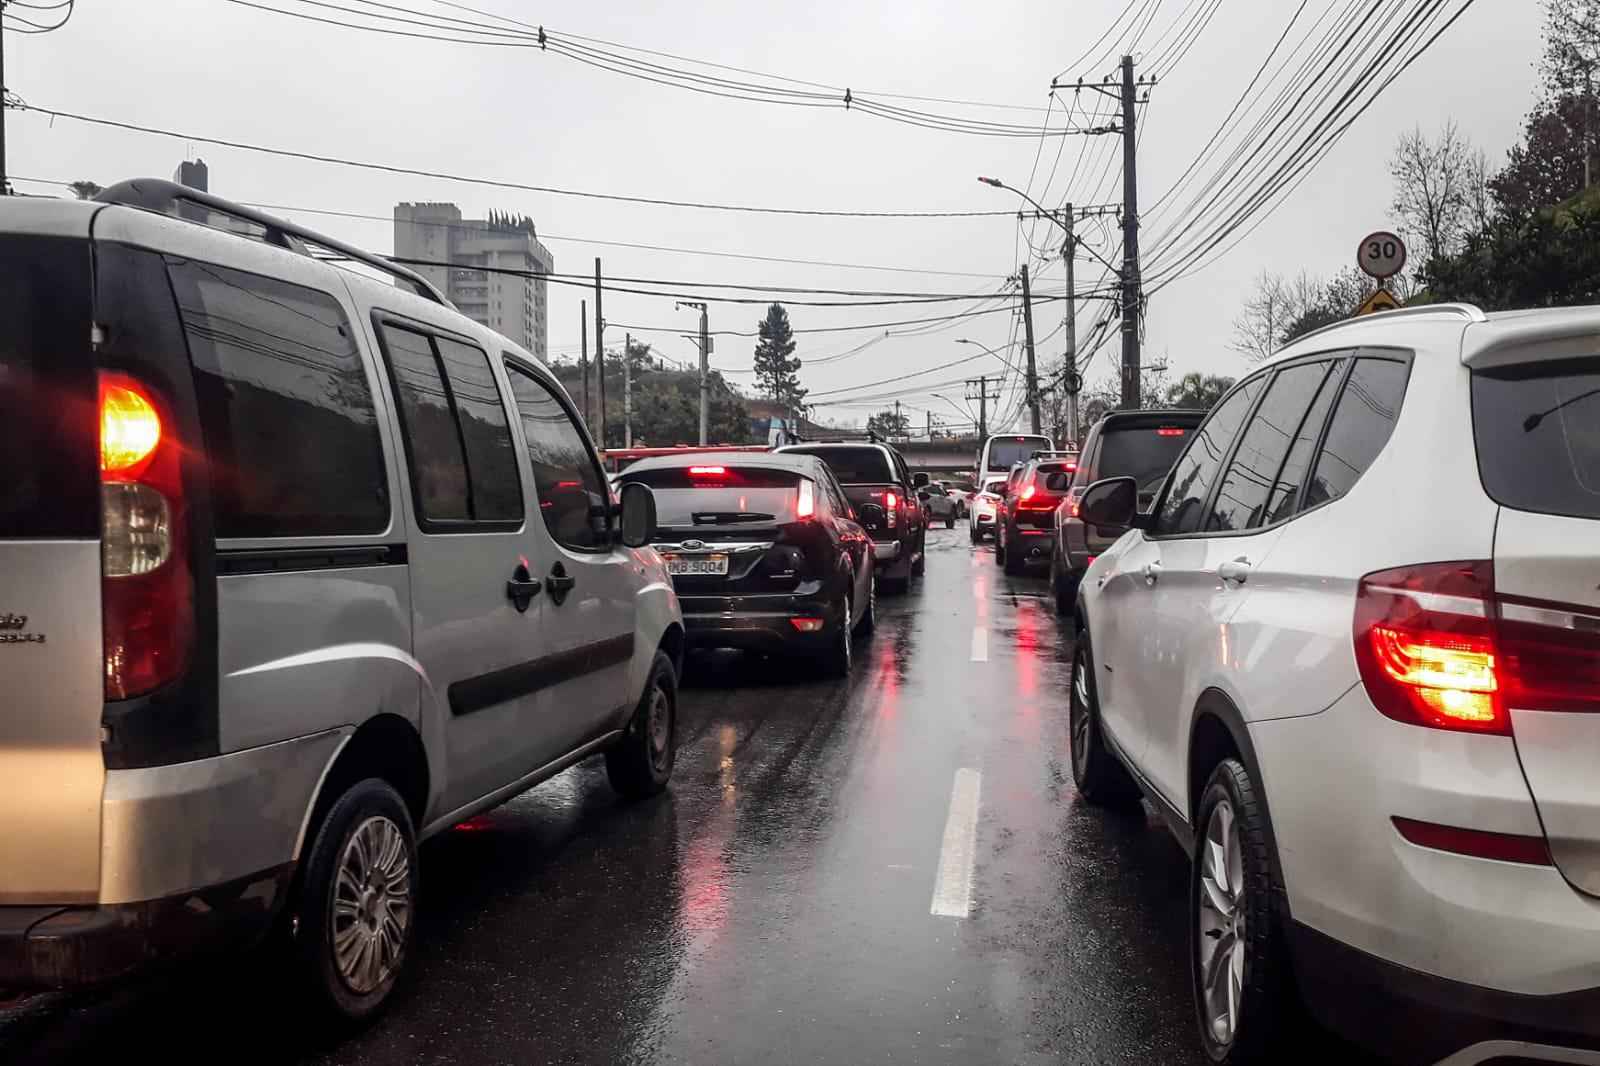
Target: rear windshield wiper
x=718, y=518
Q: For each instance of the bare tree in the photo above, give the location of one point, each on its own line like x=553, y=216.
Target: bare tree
x=1277, y=304
x=1480, y=197
x=1431, y=183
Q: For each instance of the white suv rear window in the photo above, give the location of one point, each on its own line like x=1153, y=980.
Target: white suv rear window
x=1538, y=434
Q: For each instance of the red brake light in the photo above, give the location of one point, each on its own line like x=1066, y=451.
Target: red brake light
x=146, y=592
x=1425, y=645
x=708, y=471
x=1169, y=431
x=1028, y=491
x=891, y=500
x=1552, y=657
x=1072, y=507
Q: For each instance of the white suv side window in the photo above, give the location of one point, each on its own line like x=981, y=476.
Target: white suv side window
x=1181, y=508
x=1241, y=501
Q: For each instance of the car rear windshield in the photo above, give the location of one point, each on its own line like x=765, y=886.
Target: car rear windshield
x=854, y=466
x=1144, y=453
x=1538, y=434
x=1006, y=452
x=714, y=496
x=49, y=476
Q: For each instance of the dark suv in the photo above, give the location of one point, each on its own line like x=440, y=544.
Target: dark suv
x=1142, y=445
x=1024, y=525
x=764, y=551
x=878, y=482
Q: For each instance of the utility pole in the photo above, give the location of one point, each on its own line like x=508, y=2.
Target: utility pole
x=705, y=376
x=1033, y=373
x=1071, y=380
x=583, y=361
x=930, y=424
x=5, y=183
x=899, y=422
x=983, y=399
x=600, y=352
x=1131, y=282
x=627, y=390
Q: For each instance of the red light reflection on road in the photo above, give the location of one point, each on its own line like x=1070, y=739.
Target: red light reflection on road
x=1027, y=654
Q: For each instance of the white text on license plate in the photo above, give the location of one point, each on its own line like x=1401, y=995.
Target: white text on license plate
x=715, y=565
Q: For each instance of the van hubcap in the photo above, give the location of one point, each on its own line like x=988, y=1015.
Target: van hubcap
x=658, y=720
x=1221, y=944
x=371, y=905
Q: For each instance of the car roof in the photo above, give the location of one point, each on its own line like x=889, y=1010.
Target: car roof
x=809, y=447
x=799, y=463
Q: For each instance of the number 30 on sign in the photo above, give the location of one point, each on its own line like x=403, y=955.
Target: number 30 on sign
x=1382, y=254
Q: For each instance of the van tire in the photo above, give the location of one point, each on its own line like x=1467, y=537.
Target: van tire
x=372, y=808
x=950, y=520
x=640, y=764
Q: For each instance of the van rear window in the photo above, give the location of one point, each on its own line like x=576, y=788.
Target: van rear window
x=1538, y=435
x=49, y=472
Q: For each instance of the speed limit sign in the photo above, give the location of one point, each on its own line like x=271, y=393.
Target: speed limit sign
x=1382, y=254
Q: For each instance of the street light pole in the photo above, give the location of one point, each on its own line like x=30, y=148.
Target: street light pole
x=1032, y=383
x=1071, y=381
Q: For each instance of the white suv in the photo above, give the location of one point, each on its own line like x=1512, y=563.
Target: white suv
x=1352, y=656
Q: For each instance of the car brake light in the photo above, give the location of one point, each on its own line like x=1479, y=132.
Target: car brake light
x=1425, y=645
x=1169, y=431
x=890, y=499
x=1072, y=507
x=806, y=505
x=1552, y=656
x=807, y=625
x=1028, y=491
x=147, y=596
x=708, y=471
x=891, y=509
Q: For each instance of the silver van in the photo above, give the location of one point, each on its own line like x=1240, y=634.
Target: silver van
x=298, y=567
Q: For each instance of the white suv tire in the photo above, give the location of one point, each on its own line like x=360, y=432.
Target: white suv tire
x=1099, y=776
x=1239, y=963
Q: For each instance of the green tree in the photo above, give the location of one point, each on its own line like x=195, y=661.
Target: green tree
x=1548, y=259
x=889, y=423
x=777, y=371
x=1197, y=390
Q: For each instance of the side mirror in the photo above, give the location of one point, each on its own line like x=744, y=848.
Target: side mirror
x=1112, y=502
x=923, y=495
x=871, y=514
x=1058, y=482
x=638, y=515
x=919, y=481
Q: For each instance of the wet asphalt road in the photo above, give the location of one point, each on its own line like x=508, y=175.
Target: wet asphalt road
x=774, y=906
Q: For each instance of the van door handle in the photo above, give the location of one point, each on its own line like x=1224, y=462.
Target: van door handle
x=522, y=588
x=1236, y=571
x=1152, y=573
x=559, y=583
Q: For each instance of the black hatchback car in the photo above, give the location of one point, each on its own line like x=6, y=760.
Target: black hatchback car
x=765, y=552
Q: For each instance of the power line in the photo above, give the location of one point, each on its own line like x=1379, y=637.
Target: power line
x=389, y=168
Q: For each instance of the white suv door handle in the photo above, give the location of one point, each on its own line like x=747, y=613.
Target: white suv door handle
x=1235, y=570
x=1152, y=573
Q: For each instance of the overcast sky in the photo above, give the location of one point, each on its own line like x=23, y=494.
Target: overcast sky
x=215, y=68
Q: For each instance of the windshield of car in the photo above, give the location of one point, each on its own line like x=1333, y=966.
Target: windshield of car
x=994, y=484
x=712, y=495
x=853, y=466
x=1006, y=452
x=1538, y=435
x=1145, y=454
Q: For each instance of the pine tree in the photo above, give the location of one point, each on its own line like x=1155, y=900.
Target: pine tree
x=777, y=374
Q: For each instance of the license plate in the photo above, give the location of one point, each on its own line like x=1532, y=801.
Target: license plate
x=712, y=565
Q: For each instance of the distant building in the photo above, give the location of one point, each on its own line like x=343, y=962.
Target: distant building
x=196, y=175
x=512, y=305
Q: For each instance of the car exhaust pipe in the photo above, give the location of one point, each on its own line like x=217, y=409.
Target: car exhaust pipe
x=1035, y=553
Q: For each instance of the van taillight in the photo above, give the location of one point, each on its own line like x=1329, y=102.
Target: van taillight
x=1426, y=647
x=147, y=599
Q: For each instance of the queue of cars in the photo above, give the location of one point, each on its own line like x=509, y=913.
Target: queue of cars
x=1348, y=650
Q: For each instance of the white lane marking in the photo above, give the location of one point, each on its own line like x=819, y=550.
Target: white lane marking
x=952, y=891
x=980, y=644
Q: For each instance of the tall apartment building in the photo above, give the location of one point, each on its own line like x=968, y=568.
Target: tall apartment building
x=510, y=304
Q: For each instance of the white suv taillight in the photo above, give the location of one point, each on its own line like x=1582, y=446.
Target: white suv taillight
x=147, y=597
x=1425, y=645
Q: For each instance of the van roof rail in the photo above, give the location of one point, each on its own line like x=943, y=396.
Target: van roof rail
x=1470, y=312
x=167, y=197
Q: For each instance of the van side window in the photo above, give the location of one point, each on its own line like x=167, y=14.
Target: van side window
x=565, y=475
x=1368, y=409
x=456, y=434
x=285, y=406
x=1241, y=502
x=1190, y=483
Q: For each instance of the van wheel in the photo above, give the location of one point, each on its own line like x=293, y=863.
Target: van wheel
x=1062, y=584
x=1100, y=778
x=357, y=908
x=921, y=564
x=950, y=520
x=640, y=764
x=1238, y=959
